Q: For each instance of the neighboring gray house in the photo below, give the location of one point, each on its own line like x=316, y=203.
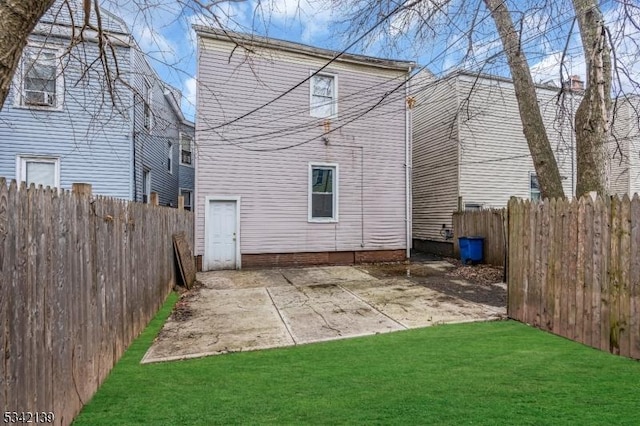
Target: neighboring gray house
x=60, y=123
x=301, y=159
x=469, y=151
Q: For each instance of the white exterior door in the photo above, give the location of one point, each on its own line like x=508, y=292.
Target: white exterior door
x=222, y=235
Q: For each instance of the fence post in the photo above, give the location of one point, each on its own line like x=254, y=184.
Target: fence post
x=180, y=202
x=81, y=189
x=154, y=199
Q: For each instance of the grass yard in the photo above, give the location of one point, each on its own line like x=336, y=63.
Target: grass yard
x=483, y=373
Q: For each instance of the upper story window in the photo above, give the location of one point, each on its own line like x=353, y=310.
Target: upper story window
x=41, y=78
x=534, y=187
x=186, y=149
x=147, y=94
x=324, y=95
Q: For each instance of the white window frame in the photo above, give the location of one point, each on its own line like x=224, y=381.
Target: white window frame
x=473, y=207
x=191, y=145
x=334, y=110
x=190, y=205
x=335, y=184
x=531, y=191
x=21, y=166
x=20, y=99
x=146, y=181
x=147, y=95
x=170, y=158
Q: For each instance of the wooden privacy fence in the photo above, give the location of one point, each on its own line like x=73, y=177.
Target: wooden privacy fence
x=81, y=277
x=490, y=224
x=574, y=270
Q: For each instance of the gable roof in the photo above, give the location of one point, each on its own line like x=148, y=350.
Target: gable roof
x=253, y=41
x=70, y=13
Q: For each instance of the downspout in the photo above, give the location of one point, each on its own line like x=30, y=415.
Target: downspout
x=407, y=164
x=133, y=187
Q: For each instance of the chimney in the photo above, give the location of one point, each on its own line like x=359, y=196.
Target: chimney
x=574, y=84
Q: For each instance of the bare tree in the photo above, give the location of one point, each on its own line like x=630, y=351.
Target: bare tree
x=534, y=130
x=417, y=23
x=593, y=114
x=17, y=19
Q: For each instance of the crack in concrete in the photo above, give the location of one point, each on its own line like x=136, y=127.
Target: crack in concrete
x=281, y=317
x=373, y=307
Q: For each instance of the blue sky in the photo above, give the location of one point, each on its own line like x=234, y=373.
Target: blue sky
x=164, y=33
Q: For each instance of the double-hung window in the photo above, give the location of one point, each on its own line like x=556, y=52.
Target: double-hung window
x=324, y=95
x=534, y=187
x=40, y=78
x=39, y=170
x=323, y=192
x=186, y=149
x=187, y=195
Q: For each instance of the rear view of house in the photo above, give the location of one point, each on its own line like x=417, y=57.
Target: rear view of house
x=301, y=159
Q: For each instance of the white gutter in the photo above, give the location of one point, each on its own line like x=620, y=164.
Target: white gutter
x=407, y=165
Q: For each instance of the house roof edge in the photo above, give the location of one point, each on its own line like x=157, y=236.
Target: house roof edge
x=289, y=46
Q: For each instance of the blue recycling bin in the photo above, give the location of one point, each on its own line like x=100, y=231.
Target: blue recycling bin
x=471, y=249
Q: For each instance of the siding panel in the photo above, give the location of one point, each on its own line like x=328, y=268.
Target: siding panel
x=435, y=158
x=495, y=160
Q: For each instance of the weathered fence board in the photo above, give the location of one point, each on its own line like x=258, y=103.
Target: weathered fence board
x=489, y=224
x=574, y=270
x=81, y=277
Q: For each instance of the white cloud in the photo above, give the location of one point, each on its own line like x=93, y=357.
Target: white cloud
x=547, y=70
x=313, y=17
x=189, y=98
x=156, y=45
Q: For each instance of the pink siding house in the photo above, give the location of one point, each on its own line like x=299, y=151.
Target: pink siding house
x=301, y=159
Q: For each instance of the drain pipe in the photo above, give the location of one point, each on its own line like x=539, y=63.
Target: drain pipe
x=407, y=164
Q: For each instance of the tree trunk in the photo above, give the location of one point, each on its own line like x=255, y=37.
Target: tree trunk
x=544, y=160
x=593, y=114
x=17, y=20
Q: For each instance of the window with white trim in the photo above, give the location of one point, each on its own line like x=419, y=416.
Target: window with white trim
x=472, y=207
x=187, y=195
x=324, y=95
x=146, y=185
x=147, y=94
x=39, y=170
x=40, y=78
x=323, y=192
x=170, y=157
x=186, y=149
x=534, y=187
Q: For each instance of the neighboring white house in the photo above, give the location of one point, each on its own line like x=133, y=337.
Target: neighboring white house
x=469, y=150
x=302, y=159
x=624, y=147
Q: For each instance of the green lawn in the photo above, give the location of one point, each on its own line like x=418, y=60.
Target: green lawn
x=483, y=373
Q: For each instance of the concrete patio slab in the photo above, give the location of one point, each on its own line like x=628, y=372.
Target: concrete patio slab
x=259, y=309
x=326, y=312
x=325, y=275
x=223, y=321
x=416, y=306
x=242, y=279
